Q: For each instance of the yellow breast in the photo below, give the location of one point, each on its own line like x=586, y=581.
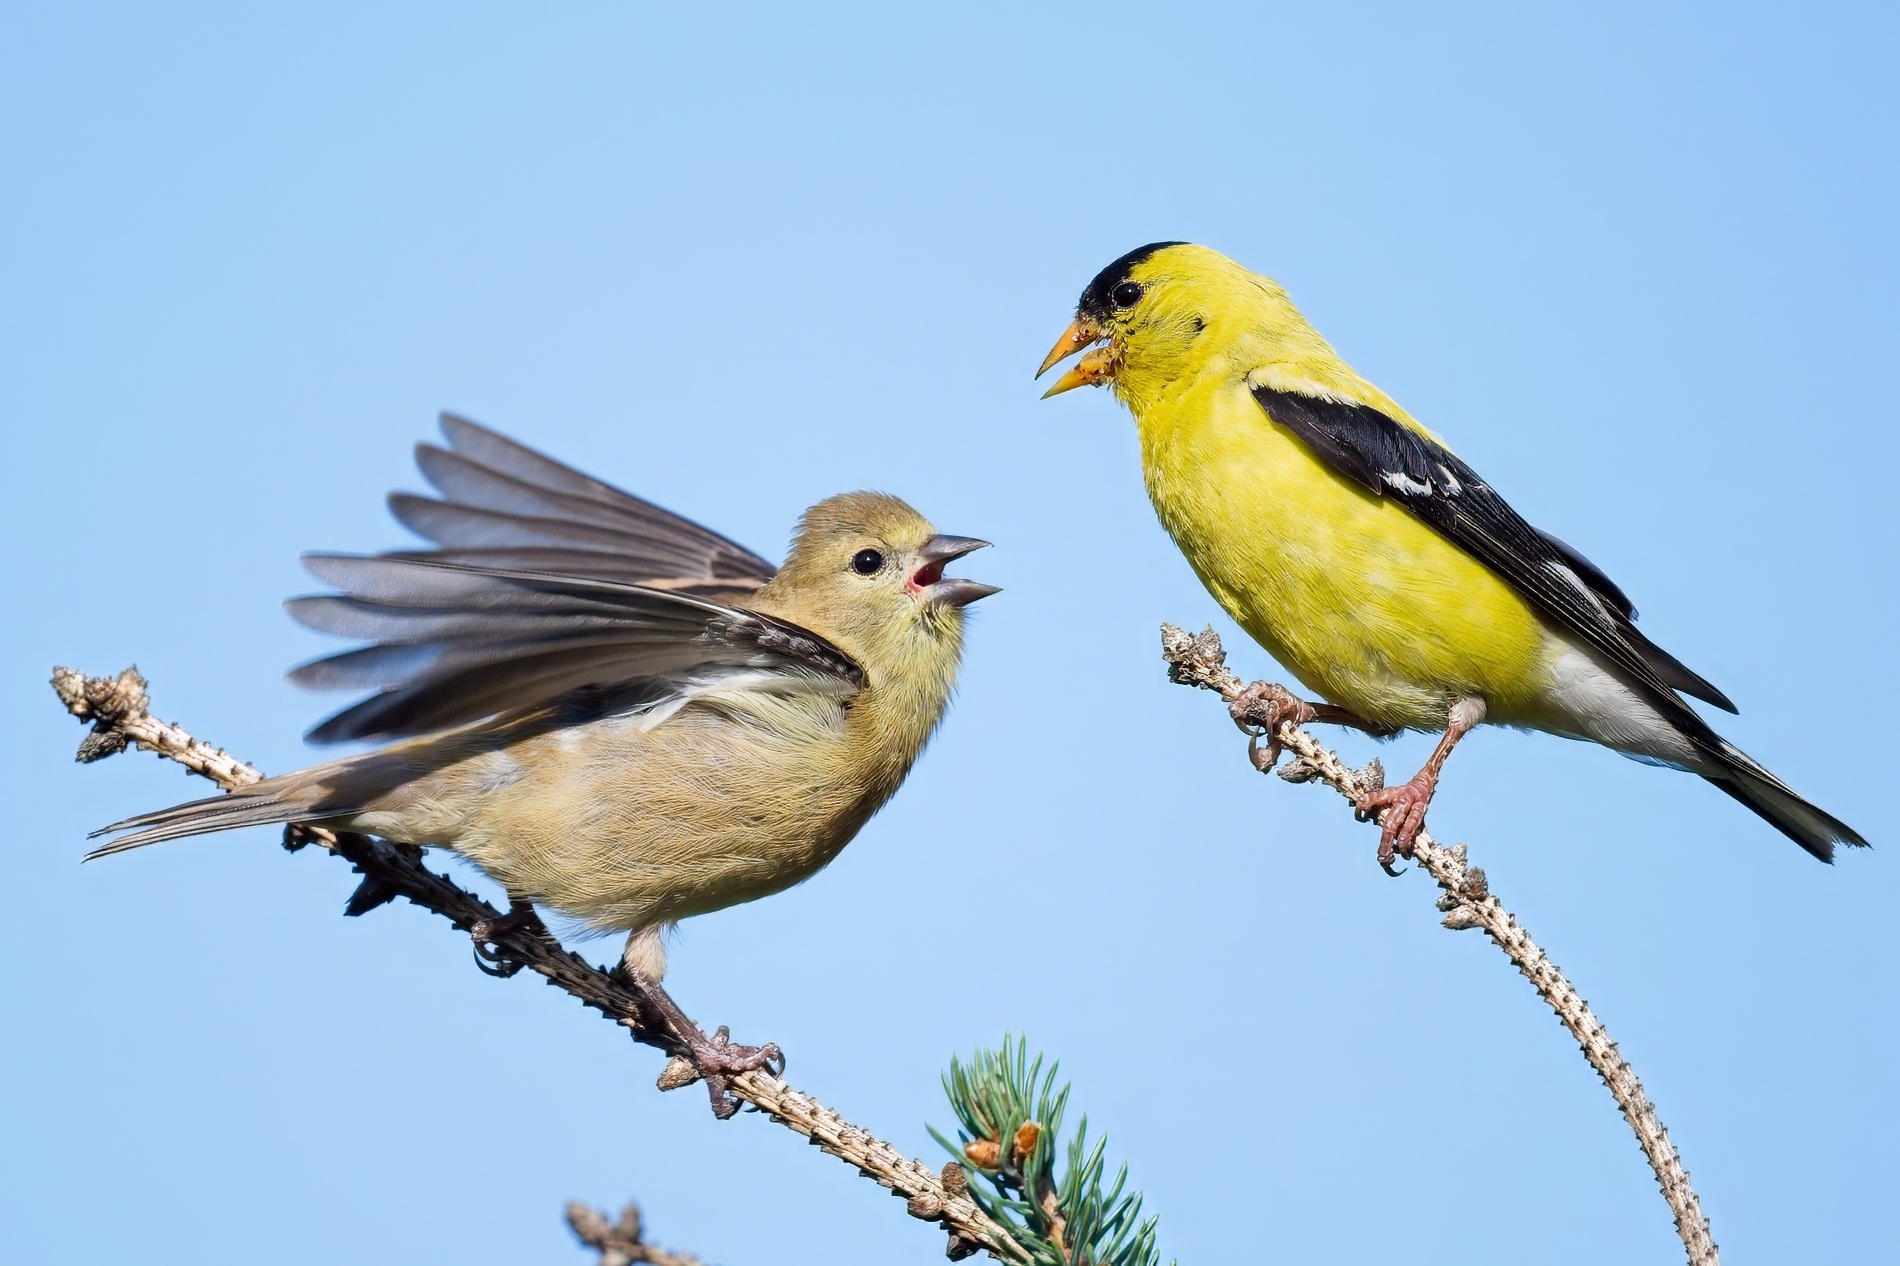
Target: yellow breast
x=1361, y=601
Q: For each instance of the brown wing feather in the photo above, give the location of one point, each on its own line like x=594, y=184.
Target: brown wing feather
x=506, y=506
x=452, y=644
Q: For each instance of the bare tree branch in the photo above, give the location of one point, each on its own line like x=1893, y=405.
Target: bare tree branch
x=1467, y=903
x=118, y=708
x=621, y=1243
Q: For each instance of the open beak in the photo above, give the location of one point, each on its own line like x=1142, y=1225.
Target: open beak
x=929, y=583
x=1096, y=367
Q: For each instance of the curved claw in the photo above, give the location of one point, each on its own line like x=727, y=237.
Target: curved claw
x=1387, y=868
x=724, y=1102
x=1403, y=809
x=494, y=963
x=521, y=915
x=1260, y=710
x=1264, y=762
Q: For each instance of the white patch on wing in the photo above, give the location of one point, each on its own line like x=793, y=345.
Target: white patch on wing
x=1583, y=700
x=1406, y=484
x=656, y=715
x=742, y=689
x=1452, y=486
x=1569, y=576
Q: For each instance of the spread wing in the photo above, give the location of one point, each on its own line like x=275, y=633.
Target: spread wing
x=505, y=506
x=1390, y=459
x=453, y=643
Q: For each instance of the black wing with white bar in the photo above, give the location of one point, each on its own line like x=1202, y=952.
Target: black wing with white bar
x=1390, y=459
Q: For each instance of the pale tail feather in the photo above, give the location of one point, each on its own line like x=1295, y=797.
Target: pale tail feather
x=259, y=806
x=321, y=793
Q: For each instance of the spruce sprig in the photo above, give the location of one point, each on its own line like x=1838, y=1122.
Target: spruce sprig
x=1011, y=1114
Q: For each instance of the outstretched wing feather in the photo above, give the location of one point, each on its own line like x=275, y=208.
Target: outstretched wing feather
x=498, y=494
x=453, y=644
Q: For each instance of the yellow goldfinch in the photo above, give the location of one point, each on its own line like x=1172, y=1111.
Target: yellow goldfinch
x=612, y=710
x=1366, y=557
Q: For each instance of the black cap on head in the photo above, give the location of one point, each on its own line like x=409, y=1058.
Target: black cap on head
x=1095, y=300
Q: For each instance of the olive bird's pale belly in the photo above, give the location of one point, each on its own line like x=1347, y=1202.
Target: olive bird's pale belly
x=607, y=826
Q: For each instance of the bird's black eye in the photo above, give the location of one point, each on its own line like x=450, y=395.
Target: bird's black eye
x=867, y=562
x=1126, y=295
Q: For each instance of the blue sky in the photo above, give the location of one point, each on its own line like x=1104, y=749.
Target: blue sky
x=1635, y=263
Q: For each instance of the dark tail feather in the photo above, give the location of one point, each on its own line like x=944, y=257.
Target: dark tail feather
x=196, y=817
x=1676, y=674
x=1808, y=825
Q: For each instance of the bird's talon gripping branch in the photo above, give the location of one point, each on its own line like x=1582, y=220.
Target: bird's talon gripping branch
x=521, y=916
x=734, y=1058
x=715, y=1059
x=1404, y=809
x=1265, y=706
x=1404, y=805
x=492, y=962
x=718, y=1058
x=1261, y=709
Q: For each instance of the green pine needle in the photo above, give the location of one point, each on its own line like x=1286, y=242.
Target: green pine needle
x=1066, y=1221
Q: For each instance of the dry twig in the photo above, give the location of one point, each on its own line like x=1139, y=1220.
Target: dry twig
x=118, y=708
x=1468, y=903
x=620, y=1243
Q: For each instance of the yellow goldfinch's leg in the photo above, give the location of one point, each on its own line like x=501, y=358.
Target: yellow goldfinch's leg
x=1403, y=807
x=521, y=916
x=1262, y=708
x=714, y=1058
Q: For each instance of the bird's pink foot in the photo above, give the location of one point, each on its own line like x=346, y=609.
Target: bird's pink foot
x=1404, y=809
x=1261, y=709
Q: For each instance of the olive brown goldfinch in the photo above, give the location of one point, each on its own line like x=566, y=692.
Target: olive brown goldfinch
x=1368, y=558
x=610, y=710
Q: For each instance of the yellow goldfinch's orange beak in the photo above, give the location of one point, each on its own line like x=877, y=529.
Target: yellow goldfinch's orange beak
x=1092, y=370
x=1097, y=366
x=1081, y=332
